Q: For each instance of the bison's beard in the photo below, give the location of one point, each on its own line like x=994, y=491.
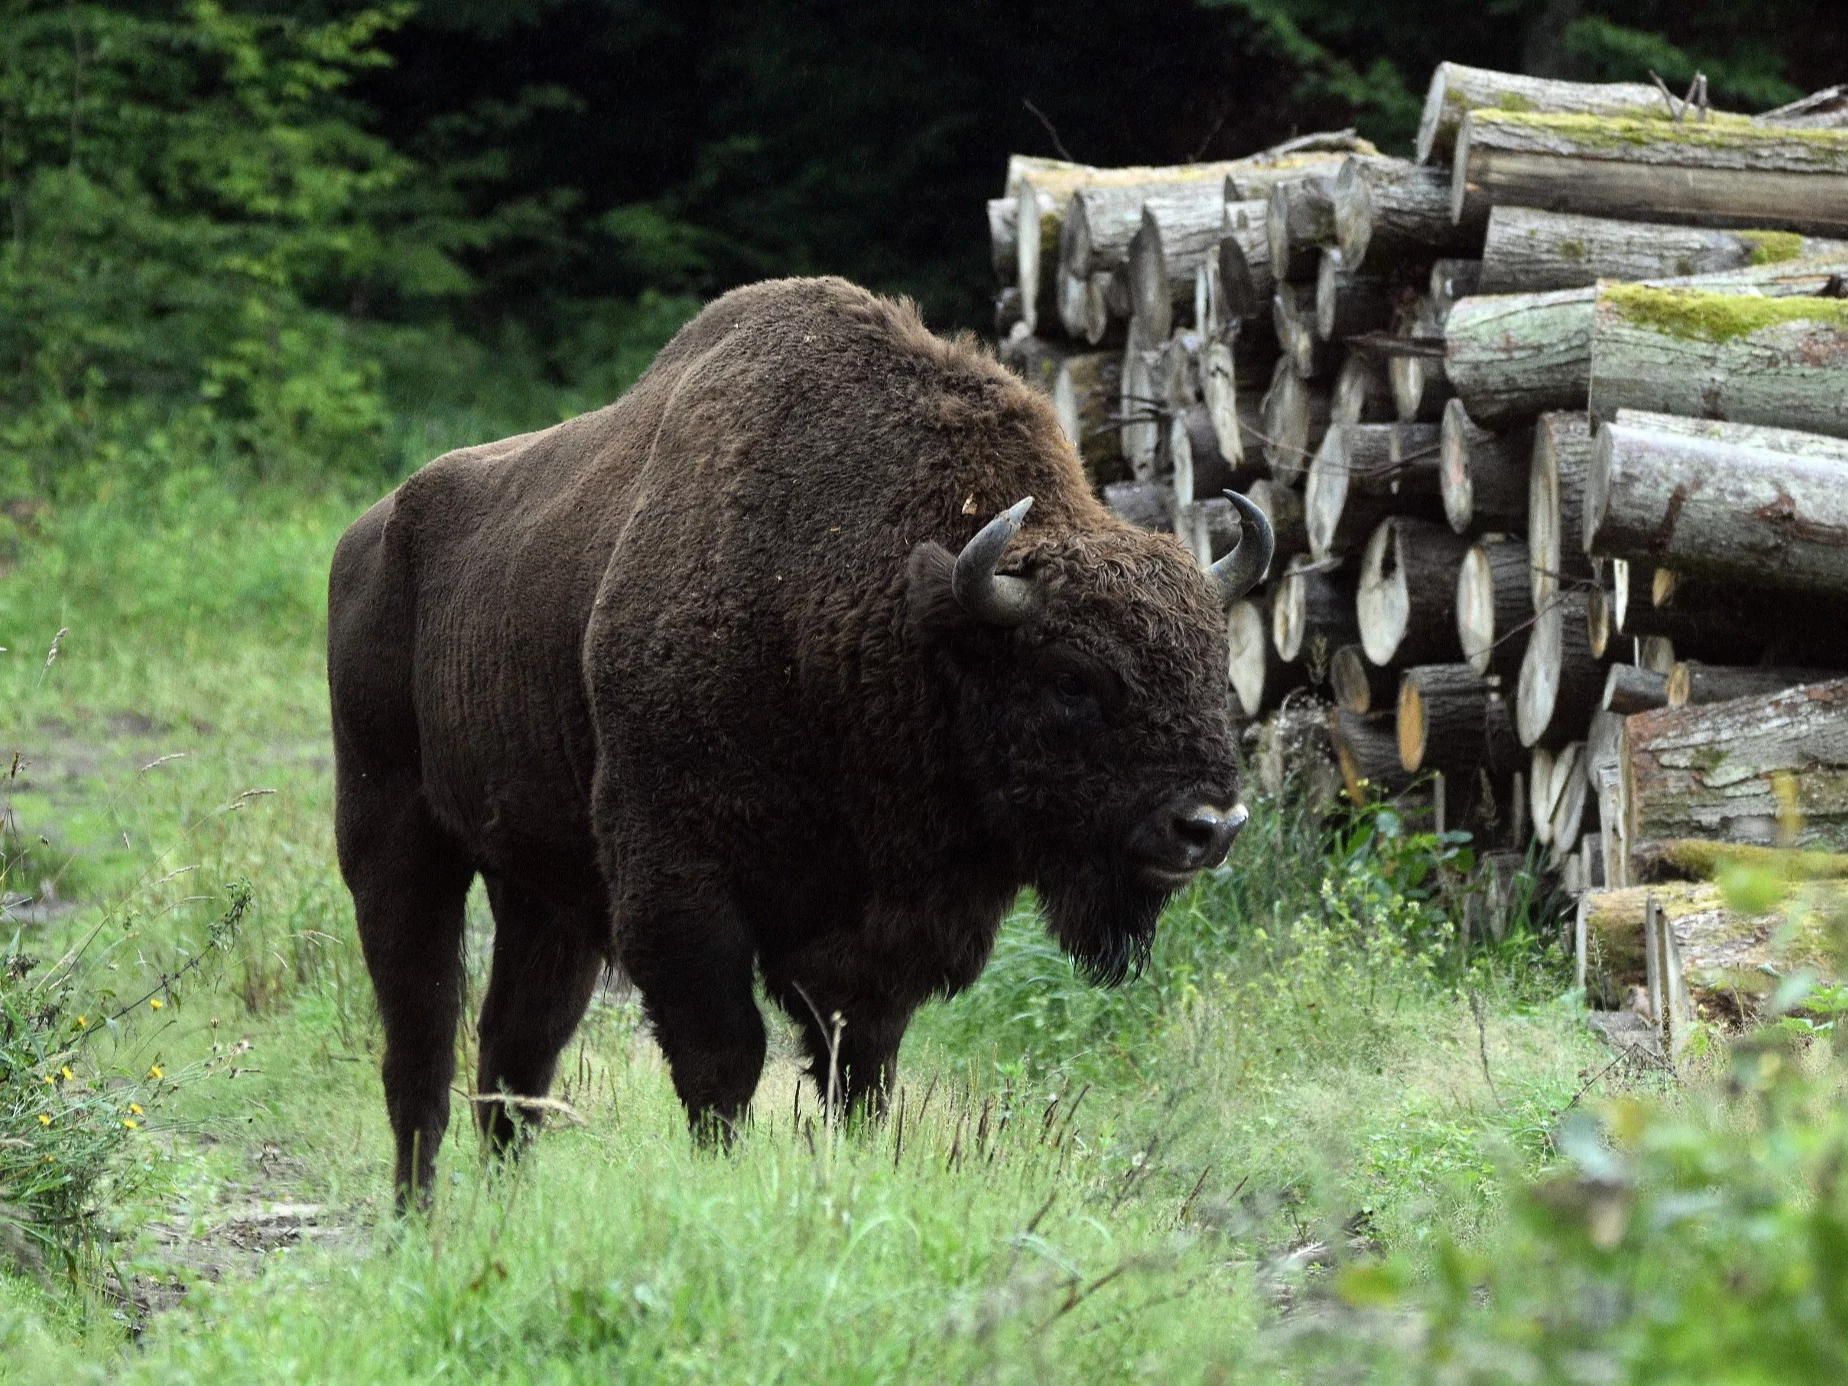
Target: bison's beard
x=1103, y=918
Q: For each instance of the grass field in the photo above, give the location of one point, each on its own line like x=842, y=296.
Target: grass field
x=1161, y=1182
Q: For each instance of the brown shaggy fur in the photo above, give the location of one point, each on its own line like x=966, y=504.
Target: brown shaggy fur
x=683, y=679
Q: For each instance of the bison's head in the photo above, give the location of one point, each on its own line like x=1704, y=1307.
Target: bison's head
x=1089, y=706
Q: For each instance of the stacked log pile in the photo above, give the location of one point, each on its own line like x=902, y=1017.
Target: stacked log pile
x=1551, y=422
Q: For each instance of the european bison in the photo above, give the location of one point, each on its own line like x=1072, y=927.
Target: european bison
x=694, y=683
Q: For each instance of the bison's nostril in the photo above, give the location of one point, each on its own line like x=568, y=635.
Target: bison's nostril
x=1199, y=827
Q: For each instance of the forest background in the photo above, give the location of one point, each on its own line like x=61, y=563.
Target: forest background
x=322, y=241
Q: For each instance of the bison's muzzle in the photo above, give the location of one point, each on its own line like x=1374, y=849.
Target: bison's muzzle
x=1182, y=838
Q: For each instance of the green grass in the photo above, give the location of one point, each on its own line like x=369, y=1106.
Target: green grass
x=1099, y=1185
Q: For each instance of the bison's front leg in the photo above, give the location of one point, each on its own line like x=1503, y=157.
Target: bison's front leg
x=850, y=1030
x=684, y=946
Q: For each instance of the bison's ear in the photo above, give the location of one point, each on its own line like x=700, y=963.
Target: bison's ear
x=933, y=616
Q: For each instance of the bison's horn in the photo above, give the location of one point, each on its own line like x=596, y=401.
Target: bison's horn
x=1244, y=567
x=983, y=593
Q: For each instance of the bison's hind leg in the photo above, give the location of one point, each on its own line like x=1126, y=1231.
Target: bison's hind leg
x=546, y=963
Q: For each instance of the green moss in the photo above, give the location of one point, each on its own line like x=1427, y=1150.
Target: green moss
x=1695, y=315
x=1773, y=247
x=1513, y=101
x=1573, y=251
x=1684, y=266
x=1718, y=131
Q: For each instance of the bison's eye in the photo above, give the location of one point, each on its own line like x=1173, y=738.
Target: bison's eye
x=1071, y=694
x=1069, y=686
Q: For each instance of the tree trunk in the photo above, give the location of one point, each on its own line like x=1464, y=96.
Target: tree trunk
x=1139, y=406
x=1389, y=214
x=1530, y=251
x=1367, y=750
x=1737, y=358
x=1408, y=593
x=1762, y=505
x=1259, y=677
x=1360, y=685
x=1283, y=507
x=1295, y=420
x=1452, y=280
x=1495, y=608
x=1716, y=772
x=1348, y=304
x=1095, y=311
x=1100, y=222
x=1711, y=173
x=1086, y=390
x=1555, y=503
x=1363, y=393
x=1200, y=471
x=1629, y=689
x=1232, y=414
x=1452, y=719
x=1151, y=304
x=1561, y=682
x=1457, y=90
x=1312, y=614
x=1003, y=236
x=1484, y=474
x=1693, y=684
x=1300, y=221
x=1362, y=473
x=1510, y=356
x=1293, y=319
x=1244, y=260
x=1145, y=504
x=1420, y=380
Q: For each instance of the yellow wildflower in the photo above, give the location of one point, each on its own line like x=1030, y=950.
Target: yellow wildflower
x=135, y=1107
x=82, y=1022
x=44, y=1120
x=131, y=1124
x=66, y=1071
x=155, y=1072
x=156, y=1004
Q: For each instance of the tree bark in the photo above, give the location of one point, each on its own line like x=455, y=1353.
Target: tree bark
x=1561, y=681
x=1086, y=390
x=1721, y=621
x=1283, y=507
x=1312, y=614
x=1715, y=772
x=1764, y=506
x=1259, y=677
x=1295, y=420
x=1095, y=311
x=1299, y=221
x=1529, y=251
x=1495, y=608
x=1736, y=358
x=1295, y=757
x=1452, y=719
x=1571, y=788
x=1003, y=235
x=1360, y=685
x=1139, y=406
x=1408, y=593
x=1711, y=173
x=1367, y=750
x=1151, y=303
x=1510, y=356
x=1244, y=260
x=1721, y=950
x=1361, y=473
x=1145, y=504
x=1101, y=221
x=1363, y=393
x=1820, y=110
x=1420, y=381
x=1629, y=689
x=1390, y=214
x=1457, y=90
x=1484, y=474
x=1201, y=472
x=1693, y=684
x=1555, y=503
x=1234, y=417
x=1348, y=304
x=1293, y=320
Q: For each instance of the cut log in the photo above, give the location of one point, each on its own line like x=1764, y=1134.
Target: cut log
x=1529, y=251
x=1140, y=405
x=1367, y=750
x=1420, y=380
x=1348, y=304
x=1145, y=504
x=1701, y=173
x=1199, y=471
x=1721, y=950
x=1457, y=90
x=1295, y=420
x=1561, y=681
x=1629, y=689
x=1692, y=683
x=1540, y=794
x=1094, y=311
x=1283, y=507
x=1600, y=625
x=1003, y=234
x=1408, y=592
x=1035, y=360
x=1389, y=214
x=1101, y=221
x=1738, y=358
x=1820, y=110
x=1086, y=392
x=1484, y=473
x=1555, y=503
x=1150, y=303
x=1771, y=770
x=1363, y=393
x=1693, y=859
x=1295, y=757
x=1226, y=411
x=1216, y=529
x=1571, y=790
x=1312, y=615
x=1293, y=320
x=1007, y=312
x=1756, y=505
x=1511, y=356
x=1657, y=653
x=1363, y=472
x=1244, y=260
x=1300, y=222
x=1721, y=621
x=1452, y=719
x=1360, y=685
x=1451, y=280
x=1495, y=606
x=1259, y=677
